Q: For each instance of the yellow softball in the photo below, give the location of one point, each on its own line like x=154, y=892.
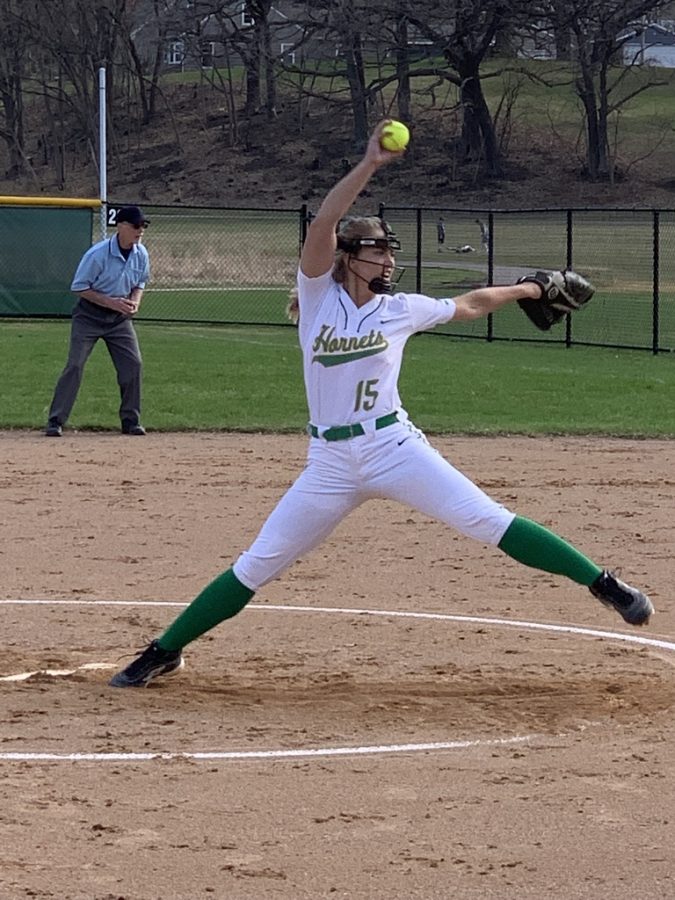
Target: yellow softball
x=395, y=136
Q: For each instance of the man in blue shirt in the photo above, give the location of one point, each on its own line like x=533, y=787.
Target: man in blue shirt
x=110, y=281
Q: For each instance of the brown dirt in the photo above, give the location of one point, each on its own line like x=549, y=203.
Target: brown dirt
x=582, y=807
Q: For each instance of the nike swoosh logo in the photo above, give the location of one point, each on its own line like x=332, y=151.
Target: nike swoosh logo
x=403, y=441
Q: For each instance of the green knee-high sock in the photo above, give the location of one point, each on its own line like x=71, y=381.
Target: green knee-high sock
x=536, y=546
x=220, y=600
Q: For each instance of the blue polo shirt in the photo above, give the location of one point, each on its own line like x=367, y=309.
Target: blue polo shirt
x=104, y=269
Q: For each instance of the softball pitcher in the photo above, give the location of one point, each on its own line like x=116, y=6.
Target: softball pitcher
x=362, y=445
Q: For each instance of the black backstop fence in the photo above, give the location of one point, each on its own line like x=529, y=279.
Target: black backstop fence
x=235, y=266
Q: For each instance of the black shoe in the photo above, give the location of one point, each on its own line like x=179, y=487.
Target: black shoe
x=132, y=428
x=53, y=428
x=633, y=605
x=150, y=663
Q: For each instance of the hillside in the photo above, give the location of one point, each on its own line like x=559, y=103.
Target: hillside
x=185, y=158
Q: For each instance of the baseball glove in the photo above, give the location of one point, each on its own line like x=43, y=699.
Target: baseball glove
x=561, y=293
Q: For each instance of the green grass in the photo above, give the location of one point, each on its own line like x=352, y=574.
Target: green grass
x=250, y=379
x=213, y=305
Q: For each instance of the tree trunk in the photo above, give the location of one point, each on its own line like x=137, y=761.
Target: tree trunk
x=586, y=91
x=12, y=131
x=605, y=169
x=403, y=71
x=140, y=83
x=252, y=63
x=562, y=34
x=154, y=82
x=12, y=51
x=479, y=140
x=357, y=90
x=270, y=74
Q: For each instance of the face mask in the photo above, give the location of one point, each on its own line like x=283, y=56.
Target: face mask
x=379, y=284
x=382, y=283
x=388, y=241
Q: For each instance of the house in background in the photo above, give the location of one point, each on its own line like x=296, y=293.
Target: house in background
x=651, y=45
x=191, y=36
x=648, y=44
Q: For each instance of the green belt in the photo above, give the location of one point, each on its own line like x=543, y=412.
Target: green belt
x=344, y=432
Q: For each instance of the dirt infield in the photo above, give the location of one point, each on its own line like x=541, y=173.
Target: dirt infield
x=555, y=774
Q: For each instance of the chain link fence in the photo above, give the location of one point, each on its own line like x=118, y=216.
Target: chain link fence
x=236, y=266
x=232, y=266
x=628, y=254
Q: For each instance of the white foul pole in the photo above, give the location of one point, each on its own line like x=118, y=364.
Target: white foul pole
x=102, y=152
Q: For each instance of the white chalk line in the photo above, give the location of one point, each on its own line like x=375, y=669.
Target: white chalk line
x=386, y=613
x=57, y=673
x=320, y=751
x=301, y=753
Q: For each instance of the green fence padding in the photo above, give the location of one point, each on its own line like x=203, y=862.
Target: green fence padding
x=40, y=248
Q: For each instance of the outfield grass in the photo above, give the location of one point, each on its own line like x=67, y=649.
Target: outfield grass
x=250, y=379
x=252, y=306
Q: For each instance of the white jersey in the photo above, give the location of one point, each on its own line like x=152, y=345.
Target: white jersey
x=351, y=358
x=352, y=355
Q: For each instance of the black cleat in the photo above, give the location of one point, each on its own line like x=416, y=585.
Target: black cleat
x=53, y=428
x=150, y=663
x=133, y=428
x=634, y=606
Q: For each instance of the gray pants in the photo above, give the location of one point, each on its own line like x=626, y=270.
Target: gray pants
x=117, y=330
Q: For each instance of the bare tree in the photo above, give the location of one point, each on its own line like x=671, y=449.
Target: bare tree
x=251, y=41
x=600, y=28
x=562, y=32
x=75, y=38
x=15, y=48
x=144, y=35
x=402, y=51
x=370, y=46
x=464, y=31
x=345, y=26
x=461, y=32
x=244, y=30
x=260, y=12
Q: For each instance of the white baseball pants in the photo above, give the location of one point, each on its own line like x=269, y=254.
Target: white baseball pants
x=395, y=463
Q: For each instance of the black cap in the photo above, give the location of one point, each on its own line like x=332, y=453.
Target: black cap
x=133, y=215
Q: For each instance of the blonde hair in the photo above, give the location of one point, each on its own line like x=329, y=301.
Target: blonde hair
x=350, y=228
x=293, y=307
